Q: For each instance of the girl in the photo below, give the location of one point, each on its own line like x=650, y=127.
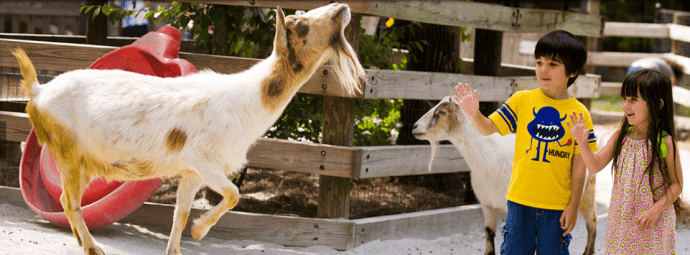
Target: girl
x=647, y=173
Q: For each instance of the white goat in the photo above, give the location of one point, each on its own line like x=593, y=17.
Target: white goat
x=128, y=126
x=491, y=160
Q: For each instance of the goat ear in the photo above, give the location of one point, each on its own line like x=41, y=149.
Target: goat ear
x=452, y=101
x=281, y=39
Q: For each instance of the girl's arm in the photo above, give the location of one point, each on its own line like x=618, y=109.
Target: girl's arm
x=469, y=103
x=675, y=174
x=593, y=162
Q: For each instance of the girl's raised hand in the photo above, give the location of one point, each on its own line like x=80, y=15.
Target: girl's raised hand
x=578, y=129
x=467, y=100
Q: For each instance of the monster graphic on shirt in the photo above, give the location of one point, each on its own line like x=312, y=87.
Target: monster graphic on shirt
x=545, y=128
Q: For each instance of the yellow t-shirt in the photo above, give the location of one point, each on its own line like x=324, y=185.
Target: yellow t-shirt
x=544, y=147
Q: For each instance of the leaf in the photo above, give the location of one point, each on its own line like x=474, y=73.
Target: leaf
x=96, y=12
x=89, y=8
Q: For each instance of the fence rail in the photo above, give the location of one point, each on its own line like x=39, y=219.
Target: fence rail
x=453, y=13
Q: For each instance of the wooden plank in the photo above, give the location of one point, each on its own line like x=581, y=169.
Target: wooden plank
x=383, y=161
x=543, y=21
x=426, y=225
x=117, y=41
x=52, y=56
x=313, y=158
x=679, y=32
x=628, y=29
x=14, y=126
x=283, y=230
x=48, y=8
x=681, y=96
x=68, y=56
x=623, y=59
x=611, y=88
x=454, y=13
x=585, y=86
x=432, y=86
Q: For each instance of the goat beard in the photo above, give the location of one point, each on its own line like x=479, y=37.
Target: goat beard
x=433, y=153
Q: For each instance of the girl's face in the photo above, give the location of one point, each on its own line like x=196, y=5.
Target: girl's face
x=551, y=74
x=636, y=110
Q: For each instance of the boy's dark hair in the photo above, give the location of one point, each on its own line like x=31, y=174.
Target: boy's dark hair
x=563, y=46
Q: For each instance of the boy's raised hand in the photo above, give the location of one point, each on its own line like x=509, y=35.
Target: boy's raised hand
x=578, y=129
x=467, y=99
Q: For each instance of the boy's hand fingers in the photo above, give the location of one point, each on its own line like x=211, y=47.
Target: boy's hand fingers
x=475, y=94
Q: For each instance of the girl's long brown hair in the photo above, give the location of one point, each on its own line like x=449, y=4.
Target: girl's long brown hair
x=653, y=87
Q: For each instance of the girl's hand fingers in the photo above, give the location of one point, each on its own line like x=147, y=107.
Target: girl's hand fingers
x=475, y=94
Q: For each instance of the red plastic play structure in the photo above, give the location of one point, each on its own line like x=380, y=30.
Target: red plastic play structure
x=103, y=202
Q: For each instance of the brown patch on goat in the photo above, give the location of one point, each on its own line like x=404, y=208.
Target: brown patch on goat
x=292, y=57
x=185, y=216
x=444, y=119
x=175, y=140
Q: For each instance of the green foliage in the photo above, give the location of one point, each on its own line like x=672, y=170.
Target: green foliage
x=246, y=32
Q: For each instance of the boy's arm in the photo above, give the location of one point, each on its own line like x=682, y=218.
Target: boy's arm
x=469, y=103
x=569, y=216
x=593, y=162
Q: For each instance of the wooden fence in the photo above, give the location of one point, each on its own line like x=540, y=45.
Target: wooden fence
x=338, y=162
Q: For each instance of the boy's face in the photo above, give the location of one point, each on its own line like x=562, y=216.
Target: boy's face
x=551, y=74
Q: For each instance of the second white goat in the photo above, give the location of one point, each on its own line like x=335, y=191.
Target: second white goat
x=490, y=159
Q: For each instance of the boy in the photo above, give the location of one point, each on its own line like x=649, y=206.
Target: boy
x=548, y=172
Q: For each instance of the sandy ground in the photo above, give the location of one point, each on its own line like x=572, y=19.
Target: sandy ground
x=24, y=232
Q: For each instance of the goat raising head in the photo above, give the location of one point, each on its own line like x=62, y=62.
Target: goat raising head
x=307, y=41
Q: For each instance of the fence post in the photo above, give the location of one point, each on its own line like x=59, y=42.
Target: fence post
x=591, y=43
x=677, y=47
x=338, y=129
x=96, y=28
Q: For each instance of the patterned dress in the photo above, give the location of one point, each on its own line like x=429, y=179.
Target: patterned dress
x=631, y=196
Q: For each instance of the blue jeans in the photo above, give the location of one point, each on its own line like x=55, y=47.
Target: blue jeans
x=530, y=229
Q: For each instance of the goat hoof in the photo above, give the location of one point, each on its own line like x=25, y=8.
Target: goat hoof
x=200, y=229
x=175, y=251
x=94, y=250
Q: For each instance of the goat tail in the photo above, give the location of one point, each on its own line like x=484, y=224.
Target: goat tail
x=30, y=81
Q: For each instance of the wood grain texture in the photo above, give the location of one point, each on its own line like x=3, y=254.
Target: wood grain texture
x=14, y=126
x=432, y=86
x=628, y=29
x=453, y=13
x=383, y=161
x=426, y=225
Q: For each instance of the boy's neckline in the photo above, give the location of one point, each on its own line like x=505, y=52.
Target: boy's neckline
x=558, y=97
